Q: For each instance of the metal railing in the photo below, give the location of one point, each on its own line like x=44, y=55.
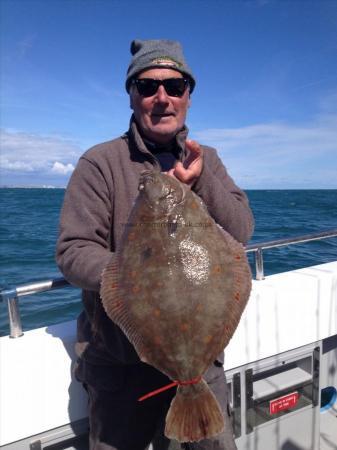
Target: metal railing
x=260, y=246
x=12, y=295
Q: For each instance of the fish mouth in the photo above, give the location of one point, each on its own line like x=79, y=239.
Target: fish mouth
x=181, y=196
x=157, y=190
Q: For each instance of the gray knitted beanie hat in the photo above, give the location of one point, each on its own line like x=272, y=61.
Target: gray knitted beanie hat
x=157, y=53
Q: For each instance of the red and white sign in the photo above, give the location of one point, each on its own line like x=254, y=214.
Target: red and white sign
x=282, y=403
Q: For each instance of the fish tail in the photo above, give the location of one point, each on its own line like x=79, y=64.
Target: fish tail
x=194, y=414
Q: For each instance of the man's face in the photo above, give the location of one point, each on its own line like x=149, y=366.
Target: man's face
x=160, y=116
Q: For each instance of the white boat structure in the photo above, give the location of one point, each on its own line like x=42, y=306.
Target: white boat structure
x=281, y=367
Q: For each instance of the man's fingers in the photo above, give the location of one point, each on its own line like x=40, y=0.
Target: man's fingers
x=195, y=152
x=181, y=173
x=193, y=146
x=171, y=172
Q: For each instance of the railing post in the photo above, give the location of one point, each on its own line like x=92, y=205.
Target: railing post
x=15, y=326
x=259, y=264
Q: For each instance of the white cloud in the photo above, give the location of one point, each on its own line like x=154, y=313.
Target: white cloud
x=62, y=169
x=260, y=155
x=16, y=165
x=279, y=154
x=26, y=152
x=277, y=137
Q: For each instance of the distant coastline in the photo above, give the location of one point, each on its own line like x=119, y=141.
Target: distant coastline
x=31, y=187
x=245, y=189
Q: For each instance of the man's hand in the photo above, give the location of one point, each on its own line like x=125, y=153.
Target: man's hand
x=189, y=171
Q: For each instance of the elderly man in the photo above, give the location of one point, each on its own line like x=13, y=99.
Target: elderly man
x=96, y=207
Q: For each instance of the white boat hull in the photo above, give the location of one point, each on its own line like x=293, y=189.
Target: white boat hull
x=288, y=315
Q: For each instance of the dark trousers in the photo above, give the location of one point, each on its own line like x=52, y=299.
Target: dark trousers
x=119, y=422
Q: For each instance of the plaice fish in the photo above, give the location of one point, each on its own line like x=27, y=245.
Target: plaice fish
x=177, y=288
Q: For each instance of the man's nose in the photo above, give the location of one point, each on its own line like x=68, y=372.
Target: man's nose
x=161, y=95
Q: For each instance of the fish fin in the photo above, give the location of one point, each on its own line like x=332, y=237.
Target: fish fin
x=115, y=307
x=109, y=291
x=242, y=284
x=194, y=414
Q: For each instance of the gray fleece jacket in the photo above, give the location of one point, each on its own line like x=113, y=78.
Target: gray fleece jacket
x=97, y=203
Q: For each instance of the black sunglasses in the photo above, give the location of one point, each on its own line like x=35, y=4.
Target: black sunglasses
x=174, y=87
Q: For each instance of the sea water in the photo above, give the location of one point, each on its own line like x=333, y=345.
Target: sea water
x=29, y=228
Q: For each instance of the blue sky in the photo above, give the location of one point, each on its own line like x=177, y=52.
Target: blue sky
x=266, y=94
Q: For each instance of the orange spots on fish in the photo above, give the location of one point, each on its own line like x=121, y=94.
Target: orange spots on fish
x=194, y=205
x=132, y=236
x=184, y=327
x=216, y=269
x=157, y=312
x=114, y=285
x=208, y=339
x=237, y=296
x=199, y=307
x=238, y=257
x=135, y=289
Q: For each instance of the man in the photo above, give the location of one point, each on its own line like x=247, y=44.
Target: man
x=96, y=207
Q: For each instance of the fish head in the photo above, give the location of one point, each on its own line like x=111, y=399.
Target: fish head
x=161, y=192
